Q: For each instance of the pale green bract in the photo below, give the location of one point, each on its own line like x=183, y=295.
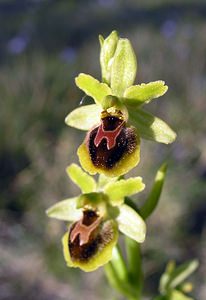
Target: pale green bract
x=86, y=183
x=84, y=117
x=124, y=67
x=131, y=224
x=116, y=191
x=65, y=210
x=154, y=196
x=151, y=127
x=92, y=87
x=144, y=93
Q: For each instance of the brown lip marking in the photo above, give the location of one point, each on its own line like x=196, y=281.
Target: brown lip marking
x=109, y=135
x=83, y=231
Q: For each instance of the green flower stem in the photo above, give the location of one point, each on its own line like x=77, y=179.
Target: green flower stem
x=119, y=264
x=134, y=266
x=114, y=280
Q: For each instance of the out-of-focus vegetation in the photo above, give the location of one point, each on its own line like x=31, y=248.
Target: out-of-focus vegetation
x=44, y=45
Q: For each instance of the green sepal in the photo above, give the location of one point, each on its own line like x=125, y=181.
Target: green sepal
x=151, y=127
x=154, y=196
x=131, y=223
x=92, y=87
x=85, y=182
x=84, y=117
x=117, y=190
x=65, y=210
x=108, y=48
x=124, y=67
x=137, y=95
x=103, y=255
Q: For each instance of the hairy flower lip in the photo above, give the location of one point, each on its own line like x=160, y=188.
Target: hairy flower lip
x=106, y=148
x=95, y=253
x=128, y=161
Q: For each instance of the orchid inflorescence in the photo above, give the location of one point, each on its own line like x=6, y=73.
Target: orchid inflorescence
x=115, y=124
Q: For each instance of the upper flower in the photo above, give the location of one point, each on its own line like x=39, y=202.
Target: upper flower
x=96, y=216
x=116, y=120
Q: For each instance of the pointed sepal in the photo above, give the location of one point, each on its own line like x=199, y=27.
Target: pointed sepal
x=84, y=117
x=131, y=223
x=151, y=127
x=124, y=67
x=108, y=48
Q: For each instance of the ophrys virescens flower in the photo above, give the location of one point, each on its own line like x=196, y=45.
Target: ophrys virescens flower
x=95, y=218
x=116, y=122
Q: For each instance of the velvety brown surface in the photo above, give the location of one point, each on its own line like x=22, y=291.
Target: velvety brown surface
x=125, y=143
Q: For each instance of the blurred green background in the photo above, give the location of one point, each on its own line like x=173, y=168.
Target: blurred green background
x=44, y=45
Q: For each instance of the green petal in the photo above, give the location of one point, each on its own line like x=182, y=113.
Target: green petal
x=154, y=196
x=138, y=94
x=177, y=295
x=124, y=67
x=84, y=117
x=86, y=183
x=151, y=127
x=102, y=257
x=108, y=47
x=128, y=162
x=92, y=87
x=116, y=191
x=131, y=224
x=65, y=210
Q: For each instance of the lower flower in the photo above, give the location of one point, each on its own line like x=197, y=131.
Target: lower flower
x=111, y=148
x=96, y=216
x=89, y=242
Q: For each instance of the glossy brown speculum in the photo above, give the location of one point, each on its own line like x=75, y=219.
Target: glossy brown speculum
x=84, y=236
x=109, y=142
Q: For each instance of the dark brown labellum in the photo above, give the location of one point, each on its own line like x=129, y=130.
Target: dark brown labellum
x=84, y=238
x=88, y=235
x=109, y=142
